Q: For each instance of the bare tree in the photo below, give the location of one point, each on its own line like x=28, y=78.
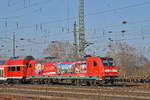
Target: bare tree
x=59, y=49
x=127, y=59
x=145, y=71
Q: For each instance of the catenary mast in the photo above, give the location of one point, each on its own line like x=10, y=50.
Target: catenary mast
x=81, y=29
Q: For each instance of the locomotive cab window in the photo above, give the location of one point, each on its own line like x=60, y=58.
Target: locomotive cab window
x=13, y=68
x=94, y=63
x=27, y=65
x=18, y=68
x=108, y=62
x=30, y=65
x=9, y=68
x=111, y=62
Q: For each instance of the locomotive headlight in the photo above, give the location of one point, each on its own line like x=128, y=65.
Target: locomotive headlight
x=114, y=70
x=107, y=70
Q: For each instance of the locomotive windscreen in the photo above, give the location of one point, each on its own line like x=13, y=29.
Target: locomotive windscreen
x=108, y=61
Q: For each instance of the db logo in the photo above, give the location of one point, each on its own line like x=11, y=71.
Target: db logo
x=49, y=68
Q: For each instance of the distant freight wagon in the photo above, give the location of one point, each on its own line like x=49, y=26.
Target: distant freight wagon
x=85, y=71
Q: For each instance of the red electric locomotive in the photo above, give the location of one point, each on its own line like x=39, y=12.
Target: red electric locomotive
x=90, y=70
x=87, y=71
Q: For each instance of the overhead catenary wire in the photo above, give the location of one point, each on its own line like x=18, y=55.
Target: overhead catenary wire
x=120, y=8
x=28, y=7
x=75, y=18
x=31, y=5
x=115, y=12
x=95, y=13
x=97, y=41
x=12, y=3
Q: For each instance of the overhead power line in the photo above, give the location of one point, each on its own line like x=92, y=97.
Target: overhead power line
x=121, y=8
x=94, y=13
x=28, y=7
x=12, y=2
x=34, y=4
x=89, y=14
x=61, y=20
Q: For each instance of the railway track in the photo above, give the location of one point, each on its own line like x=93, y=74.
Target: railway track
x=135, y=80
x=82, y=92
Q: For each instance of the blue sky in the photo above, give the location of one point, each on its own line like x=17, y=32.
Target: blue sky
x=54, y=15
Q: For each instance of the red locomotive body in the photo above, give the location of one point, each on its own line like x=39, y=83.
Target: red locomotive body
x=92, y=68
x=89, y=70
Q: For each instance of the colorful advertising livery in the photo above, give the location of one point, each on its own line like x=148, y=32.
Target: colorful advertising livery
x=61, y=68
x=73, y=68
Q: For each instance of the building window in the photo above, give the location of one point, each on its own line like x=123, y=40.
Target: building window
x=94, y=63
x=18, y=68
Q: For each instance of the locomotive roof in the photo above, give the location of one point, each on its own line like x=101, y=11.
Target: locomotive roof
x=54, y=59
x=60, y=60
x=22, y=57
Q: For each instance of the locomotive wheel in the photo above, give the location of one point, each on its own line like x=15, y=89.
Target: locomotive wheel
x=73, y=82
x=17, y=82
x=50, y=82
x=77, y=82
x=94, y=83
x=112, y=82
x=91, y=83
